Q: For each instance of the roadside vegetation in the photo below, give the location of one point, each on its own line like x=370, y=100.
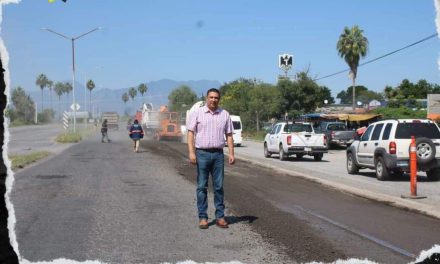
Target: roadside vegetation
x=20, y=161
x=74, y=137
x=259, y=104
x=69, y=137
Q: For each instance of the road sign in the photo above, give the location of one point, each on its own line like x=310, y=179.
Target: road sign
x=285, y=61
x=73, y=106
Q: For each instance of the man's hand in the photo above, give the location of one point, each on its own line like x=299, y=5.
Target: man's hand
x=230, y=148
x=191, y=148
x=192, y=158
x=231, y=159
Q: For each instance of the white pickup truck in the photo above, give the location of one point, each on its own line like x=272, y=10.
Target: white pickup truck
x=295, y=138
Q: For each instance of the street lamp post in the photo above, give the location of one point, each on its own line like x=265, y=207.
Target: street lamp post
x=73, y=65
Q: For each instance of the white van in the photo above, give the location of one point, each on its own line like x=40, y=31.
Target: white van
x=236, y=122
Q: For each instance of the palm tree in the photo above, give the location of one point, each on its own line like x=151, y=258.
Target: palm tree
x=142, y=88
x=90, y=86
x=59, y=90
x=125, y=99
x=351, y=46
x=50, y=86
x=67, y=88
x=132, y=92
x=42, y=82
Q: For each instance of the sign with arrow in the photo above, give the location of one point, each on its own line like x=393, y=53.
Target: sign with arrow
x=75, y=107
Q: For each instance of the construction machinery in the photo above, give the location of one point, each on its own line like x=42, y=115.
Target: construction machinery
x=162, y=124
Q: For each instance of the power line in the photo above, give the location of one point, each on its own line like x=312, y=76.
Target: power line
x=380, y=57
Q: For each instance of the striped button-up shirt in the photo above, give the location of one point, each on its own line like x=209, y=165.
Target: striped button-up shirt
x=210, y=127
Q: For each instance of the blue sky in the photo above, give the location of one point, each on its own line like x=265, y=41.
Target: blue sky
x=145, y=40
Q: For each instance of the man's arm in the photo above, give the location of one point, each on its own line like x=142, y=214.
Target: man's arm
x=191, y=147
x=230, y=141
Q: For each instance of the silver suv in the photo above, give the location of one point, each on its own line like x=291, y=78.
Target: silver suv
x=385, y=147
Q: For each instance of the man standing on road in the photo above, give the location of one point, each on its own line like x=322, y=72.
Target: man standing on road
x=207, y=129
x=104, y=129
x=136, y=133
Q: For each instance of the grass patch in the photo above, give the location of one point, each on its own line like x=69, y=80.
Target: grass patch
x=20, y=161
x=69, y=137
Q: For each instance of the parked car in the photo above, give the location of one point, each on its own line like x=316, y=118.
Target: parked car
x=337, y=133
x=294, y=138
x=385, y=145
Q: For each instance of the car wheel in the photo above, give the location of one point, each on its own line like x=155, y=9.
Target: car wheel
x=282, y=153
x=433, y=174
x=299, y=156
x=425, y=150
x=266, y=151
x=352, y=168
x=318, y=157
x=382, y=172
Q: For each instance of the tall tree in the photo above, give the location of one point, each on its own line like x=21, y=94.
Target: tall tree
x=67, y=88
x=142, y=88
x=132, y=92
x=90, y=86
x=299, y=96
x=263, y=104
x=59, y=90
x=323, y=95
x=181, y=98
x=346, y=96
x=235, y=96
x=125, y=99
x=50, y=86
x=42, y=83
x=352, y=45
x=23, y=104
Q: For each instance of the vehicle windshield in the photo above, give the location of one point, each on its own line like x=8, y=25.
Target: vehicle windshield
x=236, y=125
x=336, y=127
x=298, y=128
x=406, y=130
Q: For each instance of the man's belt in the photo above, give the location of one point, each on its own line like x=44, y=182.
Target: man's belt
x=210, y=149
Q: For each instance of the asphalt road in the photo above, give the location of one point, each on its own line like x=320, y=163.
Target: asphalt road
x=332, y=171
x=102, y=201
x=27, y=139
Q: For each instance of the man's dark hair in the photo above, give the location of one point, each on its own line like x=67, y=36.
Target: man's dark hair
x=214, y=90
x=136, y=121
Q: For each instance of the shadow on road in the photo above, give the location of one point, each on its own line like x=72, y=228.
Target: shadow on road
x=237, y=219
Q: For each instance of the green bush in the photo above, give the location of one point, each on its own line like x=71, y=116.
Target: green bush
x=47, y=116
x=400, y=112
x=69, y=137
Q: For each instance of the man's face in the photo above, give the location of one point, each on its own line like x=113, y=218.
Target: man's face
x=212, y=100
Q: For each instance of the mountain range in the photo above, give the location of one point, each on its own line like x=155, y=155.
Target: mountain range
x=105, y=99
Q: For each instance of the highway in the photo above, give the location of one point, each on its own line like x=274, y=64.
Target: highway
x=101, y=201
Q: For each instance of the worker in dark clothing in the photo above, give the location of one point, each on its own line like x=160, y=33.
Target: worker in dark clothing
x=104, y=129
x=136, y=133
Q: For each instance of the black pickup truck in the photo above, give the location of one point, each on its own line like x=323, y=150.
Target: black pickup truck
x=337, y=133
